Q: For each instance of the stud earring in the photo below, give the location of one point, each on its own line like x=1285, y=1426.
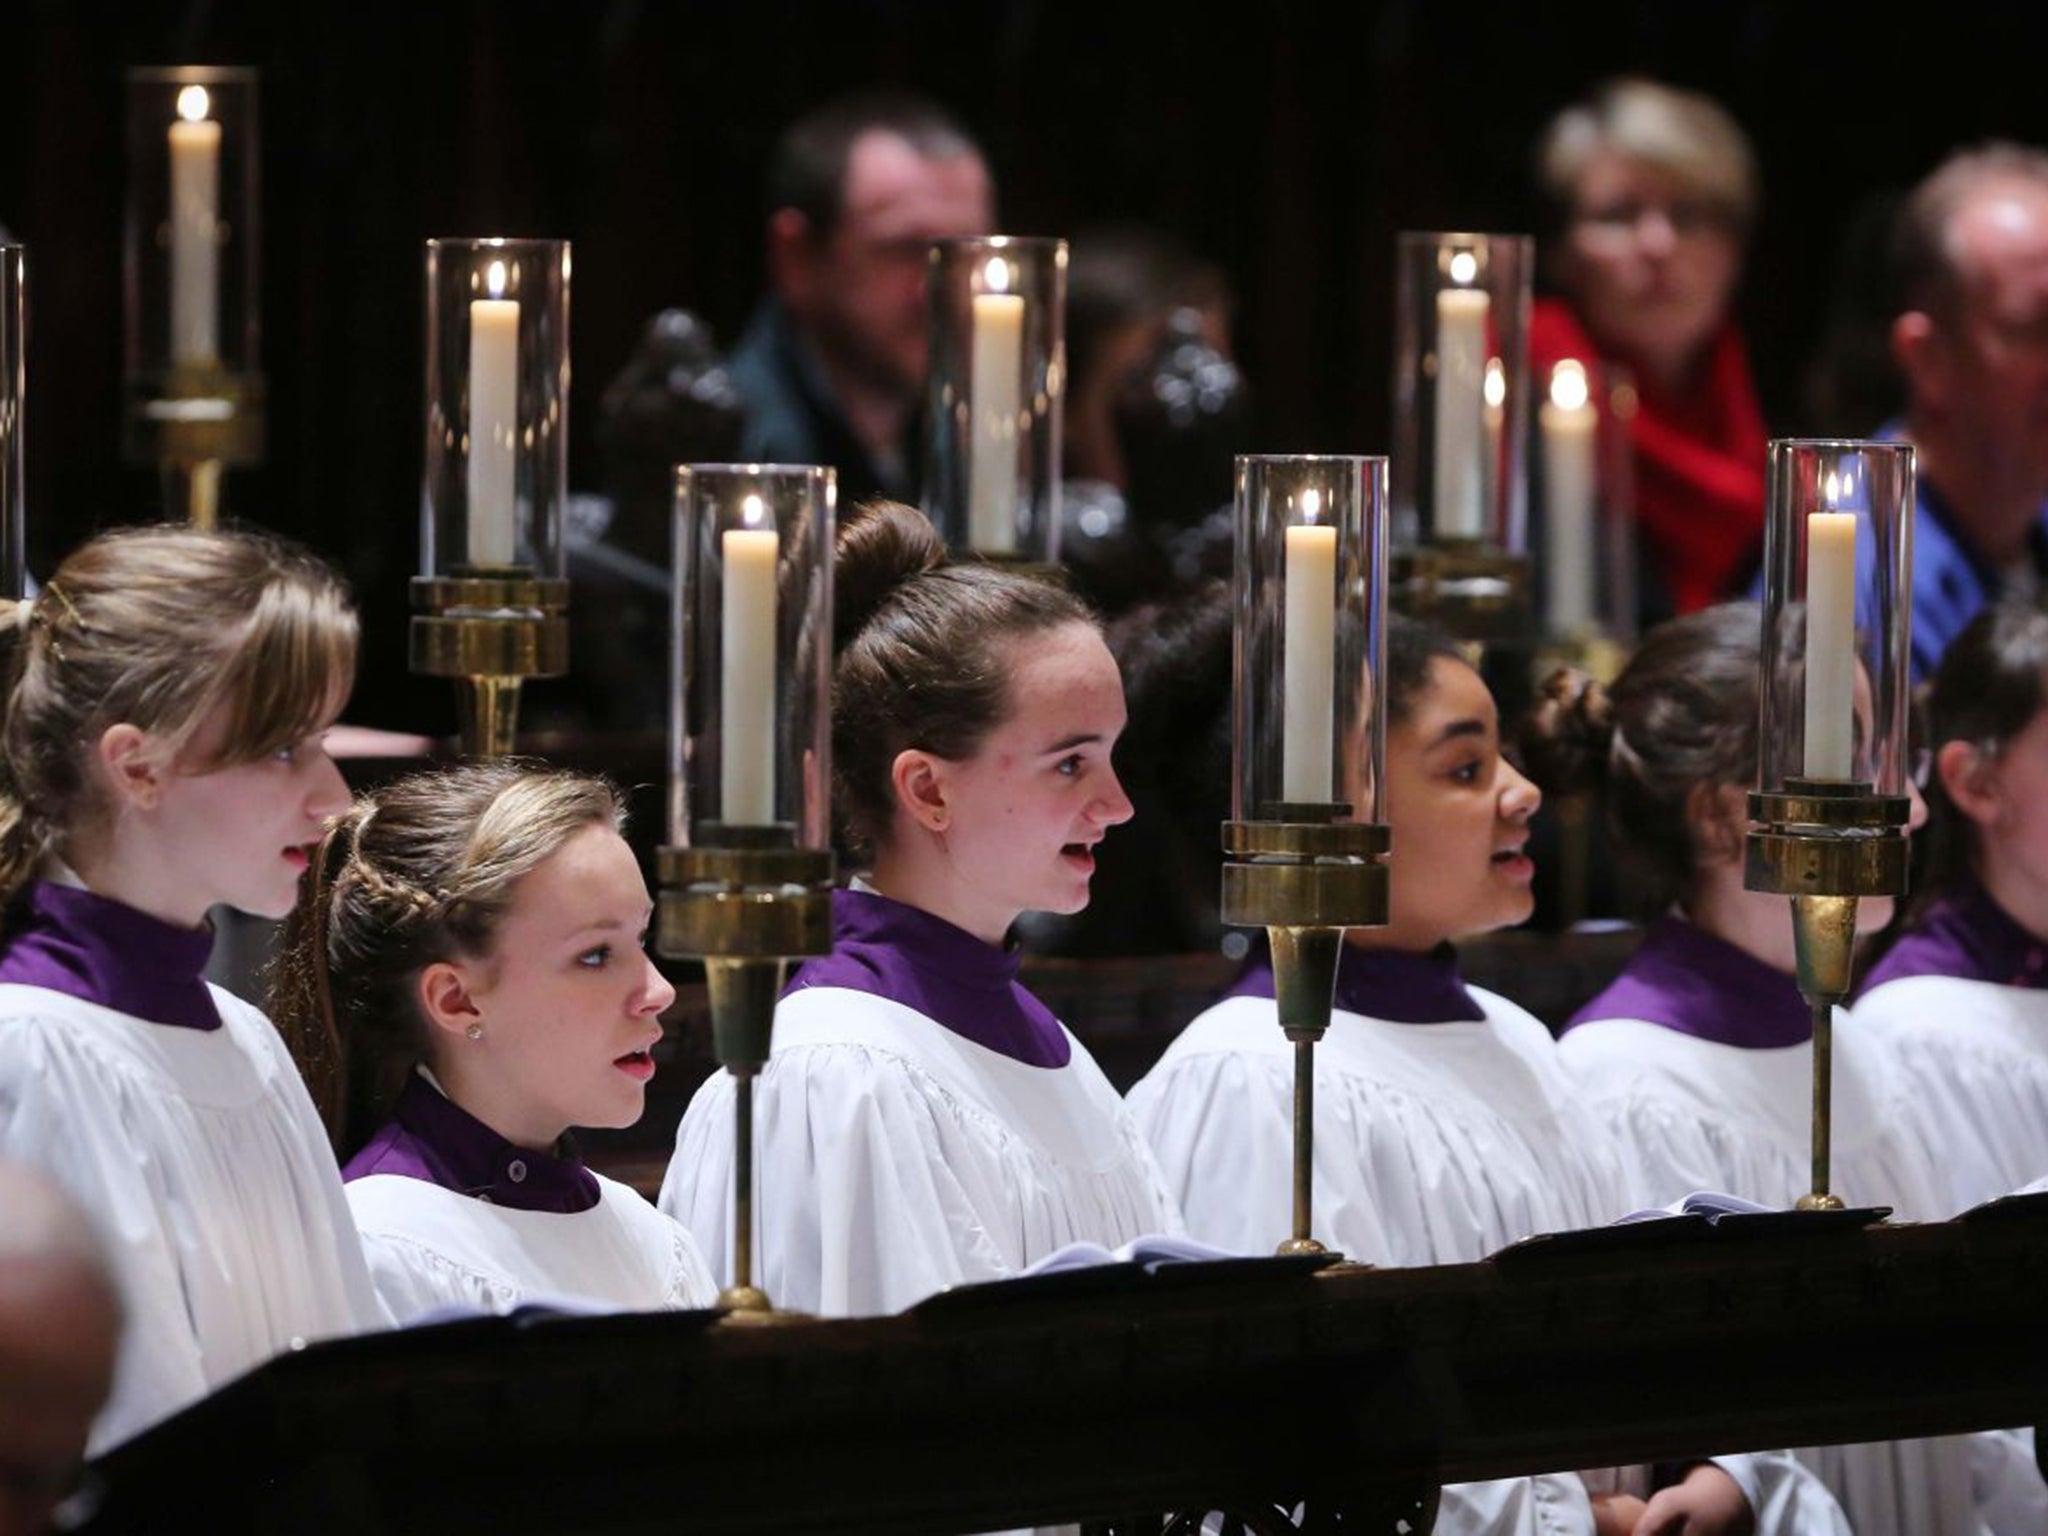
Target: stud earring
x=475, y=1031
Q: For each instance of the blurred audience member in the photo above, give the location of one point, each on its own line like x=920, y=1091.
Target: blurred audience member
x=1653, y=192
x=832, y=366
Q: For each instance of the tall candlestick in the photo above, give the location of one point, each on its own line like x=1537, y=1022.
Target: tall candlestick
x=493, y=424
x=1461, y=315
x=1309, y=652
x=195, y=214
x=995, y=387
x=746, y=760
x=1569, y=427
x=1830, y=644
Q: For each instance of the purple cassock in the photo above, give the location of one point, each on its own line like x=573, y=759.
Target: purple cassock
x=1397, y=985
x=1966, y=936
x=1684, y=978
x=98, y=950
x=889, y=949
x=433, y=1138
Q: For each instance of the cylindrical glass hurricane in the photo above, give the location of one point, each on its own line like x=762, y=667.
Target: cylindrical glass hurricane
x=1461, y=342
x=1309, y=597
x=998, y=375
x=497, y=419
x=1585, y=515
x=191, y=238
x=13, y=403
x=1838, y=572
x=750, y=711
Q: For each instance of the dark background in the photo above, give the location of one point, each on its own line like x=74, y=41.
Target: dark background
x=1288, y=142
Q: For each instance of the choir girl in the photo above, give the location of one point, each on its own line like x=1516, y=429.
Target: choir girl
x=1445, y=1126
x=923, y=1119
x=162, y=704
x=1698, y=1057
x=467, y=973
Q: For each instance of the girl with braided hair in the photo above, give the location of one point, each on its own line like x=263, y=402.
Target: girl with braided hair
x=162, y=707
x=463, y=981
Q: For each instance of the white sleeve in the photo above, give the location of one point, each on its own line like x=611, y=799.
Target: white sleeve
x=1552, y=1504
x=413, y=1280
x=2006, y=1480
x=1785, y=1497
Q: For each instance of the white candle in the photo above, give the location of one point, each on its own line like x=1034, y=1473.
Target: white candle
x=195, y=215
x=1309, y=662
x=1460, y=404
x=995, y=390
x=493, y=423
x=1569, y=426
x=746, y=760
x=1830, y=644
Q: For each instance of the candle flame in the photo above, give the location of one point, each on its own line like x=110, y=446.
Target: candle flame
x=194, y=103
x=1831, y=488
x=494, y=279
x=752, y=511
x=1495, y=386
x=1568, y=391
x=997, y=275
x=1311, y=503
x=1464, y=268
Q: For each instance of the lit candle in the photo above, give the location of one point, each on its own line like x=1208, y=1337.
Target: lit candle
x=1309, y=659
x=1830, y=644
x=195, y=214
x=995, y=389
x=1569, y=427
x=746, y=761
x=493, y=422
x=1461, y=315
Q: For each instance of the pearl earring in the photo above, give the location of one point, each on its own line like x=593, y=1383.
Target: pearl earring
x=475, y=1031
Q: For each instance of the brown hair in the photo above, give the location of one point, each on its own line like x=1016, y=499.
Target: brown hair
x=923, y=651
x=422, y=870
x=157, y=627
x=1683, y=713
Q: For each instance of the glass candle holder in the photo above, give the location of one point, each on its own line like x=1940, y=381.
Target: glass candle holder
x=1309, y=597
x=998, y=375
x=750, y=741
x=190, y=248
x=1585, y=504
x=1461, y=342
x=1838, y=572
x=13, y=402
x=497, y=423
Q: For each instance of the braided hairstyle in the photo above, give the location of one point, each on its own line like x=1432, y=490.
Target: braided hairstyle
x=419, y=871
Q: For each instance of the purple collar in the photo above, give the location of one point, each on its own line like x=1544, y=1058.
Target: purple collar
x=1969, y=936
x=891, y=949
x=1686, y=979
x=1397, y=985
x=102, y=951
x=432, y=1138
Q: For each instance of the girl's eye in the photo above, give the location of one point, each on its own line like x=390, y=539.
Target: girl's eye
x=1467, y=773
x=595, y=959
x=1070, y=765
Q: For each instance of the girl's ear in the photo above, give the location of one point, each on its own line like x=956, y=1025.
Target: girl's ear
x=1718, y=815
x=920, y=782
x=444, y=995
x=1969, y=776
x=132, y=767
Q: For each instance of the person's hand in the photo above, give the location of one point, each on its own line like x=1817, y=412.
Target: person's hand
x=1707, y=1502
x=1616, y=1514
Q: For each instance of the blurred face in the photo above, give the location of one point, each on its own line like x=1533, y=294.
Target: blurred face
x=1459, y=814
x=1023, y=816
x=568, y=1002
x=1650, y=266
x=58, y=1331
x=861, y=289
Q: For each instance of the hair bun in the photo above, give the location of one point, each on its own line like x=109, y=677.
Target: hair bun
x=1569, y=733
x=880, y=546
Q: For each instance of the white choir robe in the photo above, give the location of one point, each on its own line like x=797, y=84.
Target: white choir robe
x=430, y=1247
x=201, y=1159
x=1437, y=1143
x=1694, y=1114
x=896, y=1158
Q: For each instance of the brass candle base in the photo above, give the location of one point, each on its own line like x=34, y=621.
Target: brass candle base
x=1464, y=587
x=489, y=631
x=1305, y=875
x=193, y=423
x=745, y=900
x=1826, y=843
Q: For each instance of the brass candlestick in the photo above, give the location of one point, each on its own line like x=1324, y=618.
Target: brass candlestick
x=1304, y=874
x=745, y=900
x=1464, y=587
x=489, y=631
x=203, y=421
x=1825, y=843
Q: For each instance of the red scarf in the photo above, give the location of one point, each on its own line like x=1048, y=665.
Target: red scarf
x=1699, y=460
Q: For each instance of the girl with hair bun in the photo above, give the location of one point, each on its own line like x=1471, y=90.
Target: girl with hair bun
x=1699, y=1055
x=1962, y=998
x=162, y=708
x=465, y=979
x=924, y=1120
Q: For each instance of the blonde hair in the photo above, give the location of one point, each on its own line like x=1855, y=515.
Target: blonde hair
x=419, y=871
x=159, y=627
x=1691, y=137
